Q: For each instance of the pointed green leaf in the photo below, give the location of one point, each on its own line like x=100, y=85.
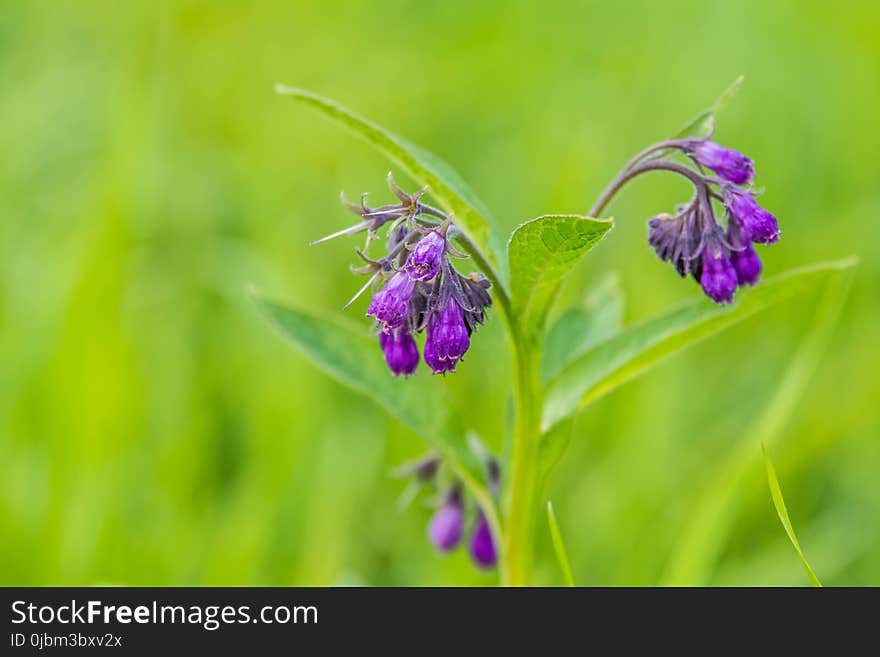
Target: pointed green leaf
x=471, y=216
x=703, y=124
x=782, y=512
x=554, y=442
x=639, y=347
x=559, y=546
x=579, y=328
x=541, y=253
x=352, y=357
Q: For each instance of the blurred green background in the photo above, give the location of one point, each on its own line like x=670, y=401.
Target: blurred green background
x=154, y=429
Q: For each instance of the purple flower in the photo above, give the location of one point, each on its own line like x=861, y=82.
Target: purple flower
x=437, y=365
x=447, y=524
x=424, y=259
x=483, y=550
x=718, y=277
x=758, y=225
x=747, y=265
x=447, y=338
x=391, y=304
x=726, y=162
x=401, y=352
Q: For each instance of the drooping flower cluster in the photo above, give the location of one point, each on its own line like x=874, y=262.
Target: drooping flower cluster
x=421, y=290
x=448, y=524
x=719, y=256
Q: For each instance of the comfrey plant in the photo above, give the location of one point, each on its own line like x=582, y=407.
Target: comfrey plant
x=419, y=297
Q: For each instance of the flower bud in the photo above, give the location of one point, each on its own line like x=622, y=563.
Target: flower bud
x=718, y=277
x=731, y=165
x=447, y=338
x=424, y=259
x=483, y=550
x=447, y=523
x=747, y=265
x=401, y=352
x=758, y=225
x=391, y=304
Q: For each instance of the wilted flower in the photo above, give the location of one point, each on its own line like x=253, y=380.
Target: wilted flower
x=676, y=239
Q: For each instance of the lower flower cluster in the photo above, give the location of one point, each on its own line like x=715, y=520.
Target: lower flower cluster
x=420, y=290
x=449, y=522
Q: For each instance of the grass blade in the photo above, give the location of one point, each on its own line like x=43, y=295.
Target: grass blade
x=782, y=512
x=708, y=527
x=559, y=546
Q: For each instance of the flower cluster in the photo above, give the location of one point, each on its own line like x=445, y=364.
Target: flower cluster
x=448, y=523
x=420, y=289
x=720, y=257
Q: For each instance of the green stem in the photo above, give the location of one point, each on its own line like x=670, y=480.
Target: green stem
x=516, y=553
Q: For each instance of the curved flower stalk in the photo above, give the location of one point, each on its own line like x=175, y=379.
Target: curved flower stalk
x=418, y=288
x=717, y=251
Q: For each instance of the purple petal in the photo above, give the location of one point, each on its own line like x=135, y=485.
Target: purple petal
x=483, y=550
x=726, y=162
x=718, y=278
x=424, y=259
x=747, y=265
x=446, y=526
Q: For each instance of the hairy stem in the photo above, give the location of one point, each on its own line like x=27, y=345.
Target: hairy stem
x=629, y=172
x=516, y=553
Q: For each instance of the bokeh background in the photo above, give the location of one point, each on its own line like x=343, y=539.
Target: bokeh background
x=154, y=429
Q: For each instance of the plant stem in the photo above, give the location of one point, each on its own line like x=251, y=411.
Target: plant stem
x=629, y=173
x=516, y=553
x=521, y=508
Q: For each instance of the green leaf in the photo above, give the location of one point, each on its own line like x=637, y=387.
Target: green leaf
x=541, y=253
x=703, y=124
x=579, y=328
x=554, y=442
x=559, y=545
x=637, y=348
x=471, y=216
x=711, y=520
x=782, y=512
x=352, y=357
